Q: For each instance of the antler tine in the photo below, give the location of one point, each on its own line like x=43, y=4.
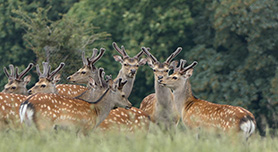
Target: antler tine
x=124, y=52
x=101, y=77
x=6, y=72
x=192, y=65
x=46, y=69
x=146, y=51
x=84, y=60
x=16, y=73
x=121, y=84
x=139, y=54
x=95, y=50
x=114, y=44
x=53, y=73
x=102, y=50
x=25, y=71
x=108, y=77
x=182, y=63
x=38, y=70
x=12, y=76
x=174, y=54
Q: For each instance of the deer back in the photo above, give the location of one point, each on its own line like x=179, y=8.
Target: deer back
x=9, y=107
x=121, y=119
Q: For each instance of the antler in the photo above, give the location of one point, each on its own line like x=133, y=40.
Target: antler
x=46, y=70
x=121, y=51
x=138, y=55
x=94, y=60
x=12, y=75
x=121, y=84
x=189, y=67
x=25, y=71
x=94, y=54
x=174, y=54
x=53, y=73
x=102, y=81
x=146, y=51
x=181, y=66
x=84, y=60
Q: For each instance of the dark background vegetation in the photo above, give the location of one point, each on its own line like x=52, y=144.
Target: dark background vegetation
x=235, y=43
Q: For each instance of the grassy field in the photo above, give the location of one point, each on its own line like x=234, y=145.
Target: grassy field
x=30, y=140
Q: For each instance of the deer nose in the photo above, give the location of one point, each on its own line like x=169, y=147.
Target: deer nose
x=132, y=71
x=29, y=92
x=160, y=77
x=68, y=78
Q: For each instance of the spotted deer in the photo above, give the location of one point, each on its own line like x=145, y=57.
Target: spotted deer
x=47, y=79
x=119, y=118
x=197, y=113
x=160, y=105
x=82, y=75
x=84, y=113
x=15, y=83
x=129, y=67
x=9, y=107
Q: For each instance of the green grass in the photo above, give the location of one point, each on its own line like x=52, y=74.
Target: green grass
x=29, y=140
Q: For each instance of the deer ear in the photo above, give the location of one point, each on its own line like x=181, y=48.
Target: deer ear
x=150, y=62
x=118, y=58
x=189, y=72
x=57, y=78
x=27, y=79
x=91, y=83
x=142, y=61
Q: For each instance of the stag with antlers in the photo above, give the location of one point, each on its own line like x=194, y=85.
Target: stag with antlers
x=197, y=113
x=160, y=105
x=83, y=113
x=15, y=82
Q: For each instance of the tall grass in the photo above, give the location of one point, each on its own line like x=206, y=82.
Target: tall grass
x=29, y=140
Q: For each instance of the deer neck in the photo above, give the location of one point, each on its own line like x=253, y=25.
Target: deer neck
x=129, y=85
x=103, y=108
x=183, y=95
x=164, y=99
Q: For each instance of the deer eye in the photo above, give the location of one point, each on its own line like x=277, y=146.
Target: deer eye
x=125, y=64
x=166, y=70
x=154, y=70
x=43, y=85
x=13, y=88
x=174, y=78
x=123, y=95
x=83, y=72
x=137, y=65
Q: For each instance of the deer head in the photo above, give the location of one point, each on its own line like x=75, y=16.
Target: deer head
x=129, y=64
x=180, y=75
x=114, y=89
x=88, y=69
x=15, y=83
x=47, y=79
x=161, y=69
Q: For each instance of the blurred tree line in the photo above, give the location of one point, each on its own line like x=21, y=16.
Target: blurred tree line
x=235, y=43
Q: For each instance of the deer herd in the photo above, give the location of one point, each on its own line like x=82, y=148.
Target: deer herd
x=103, y=104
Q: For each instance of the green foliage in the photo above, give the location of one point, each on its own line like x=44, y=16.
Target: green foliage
x=236, y=45
x=56, y=41
x=12, y=45
x=12, y=50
